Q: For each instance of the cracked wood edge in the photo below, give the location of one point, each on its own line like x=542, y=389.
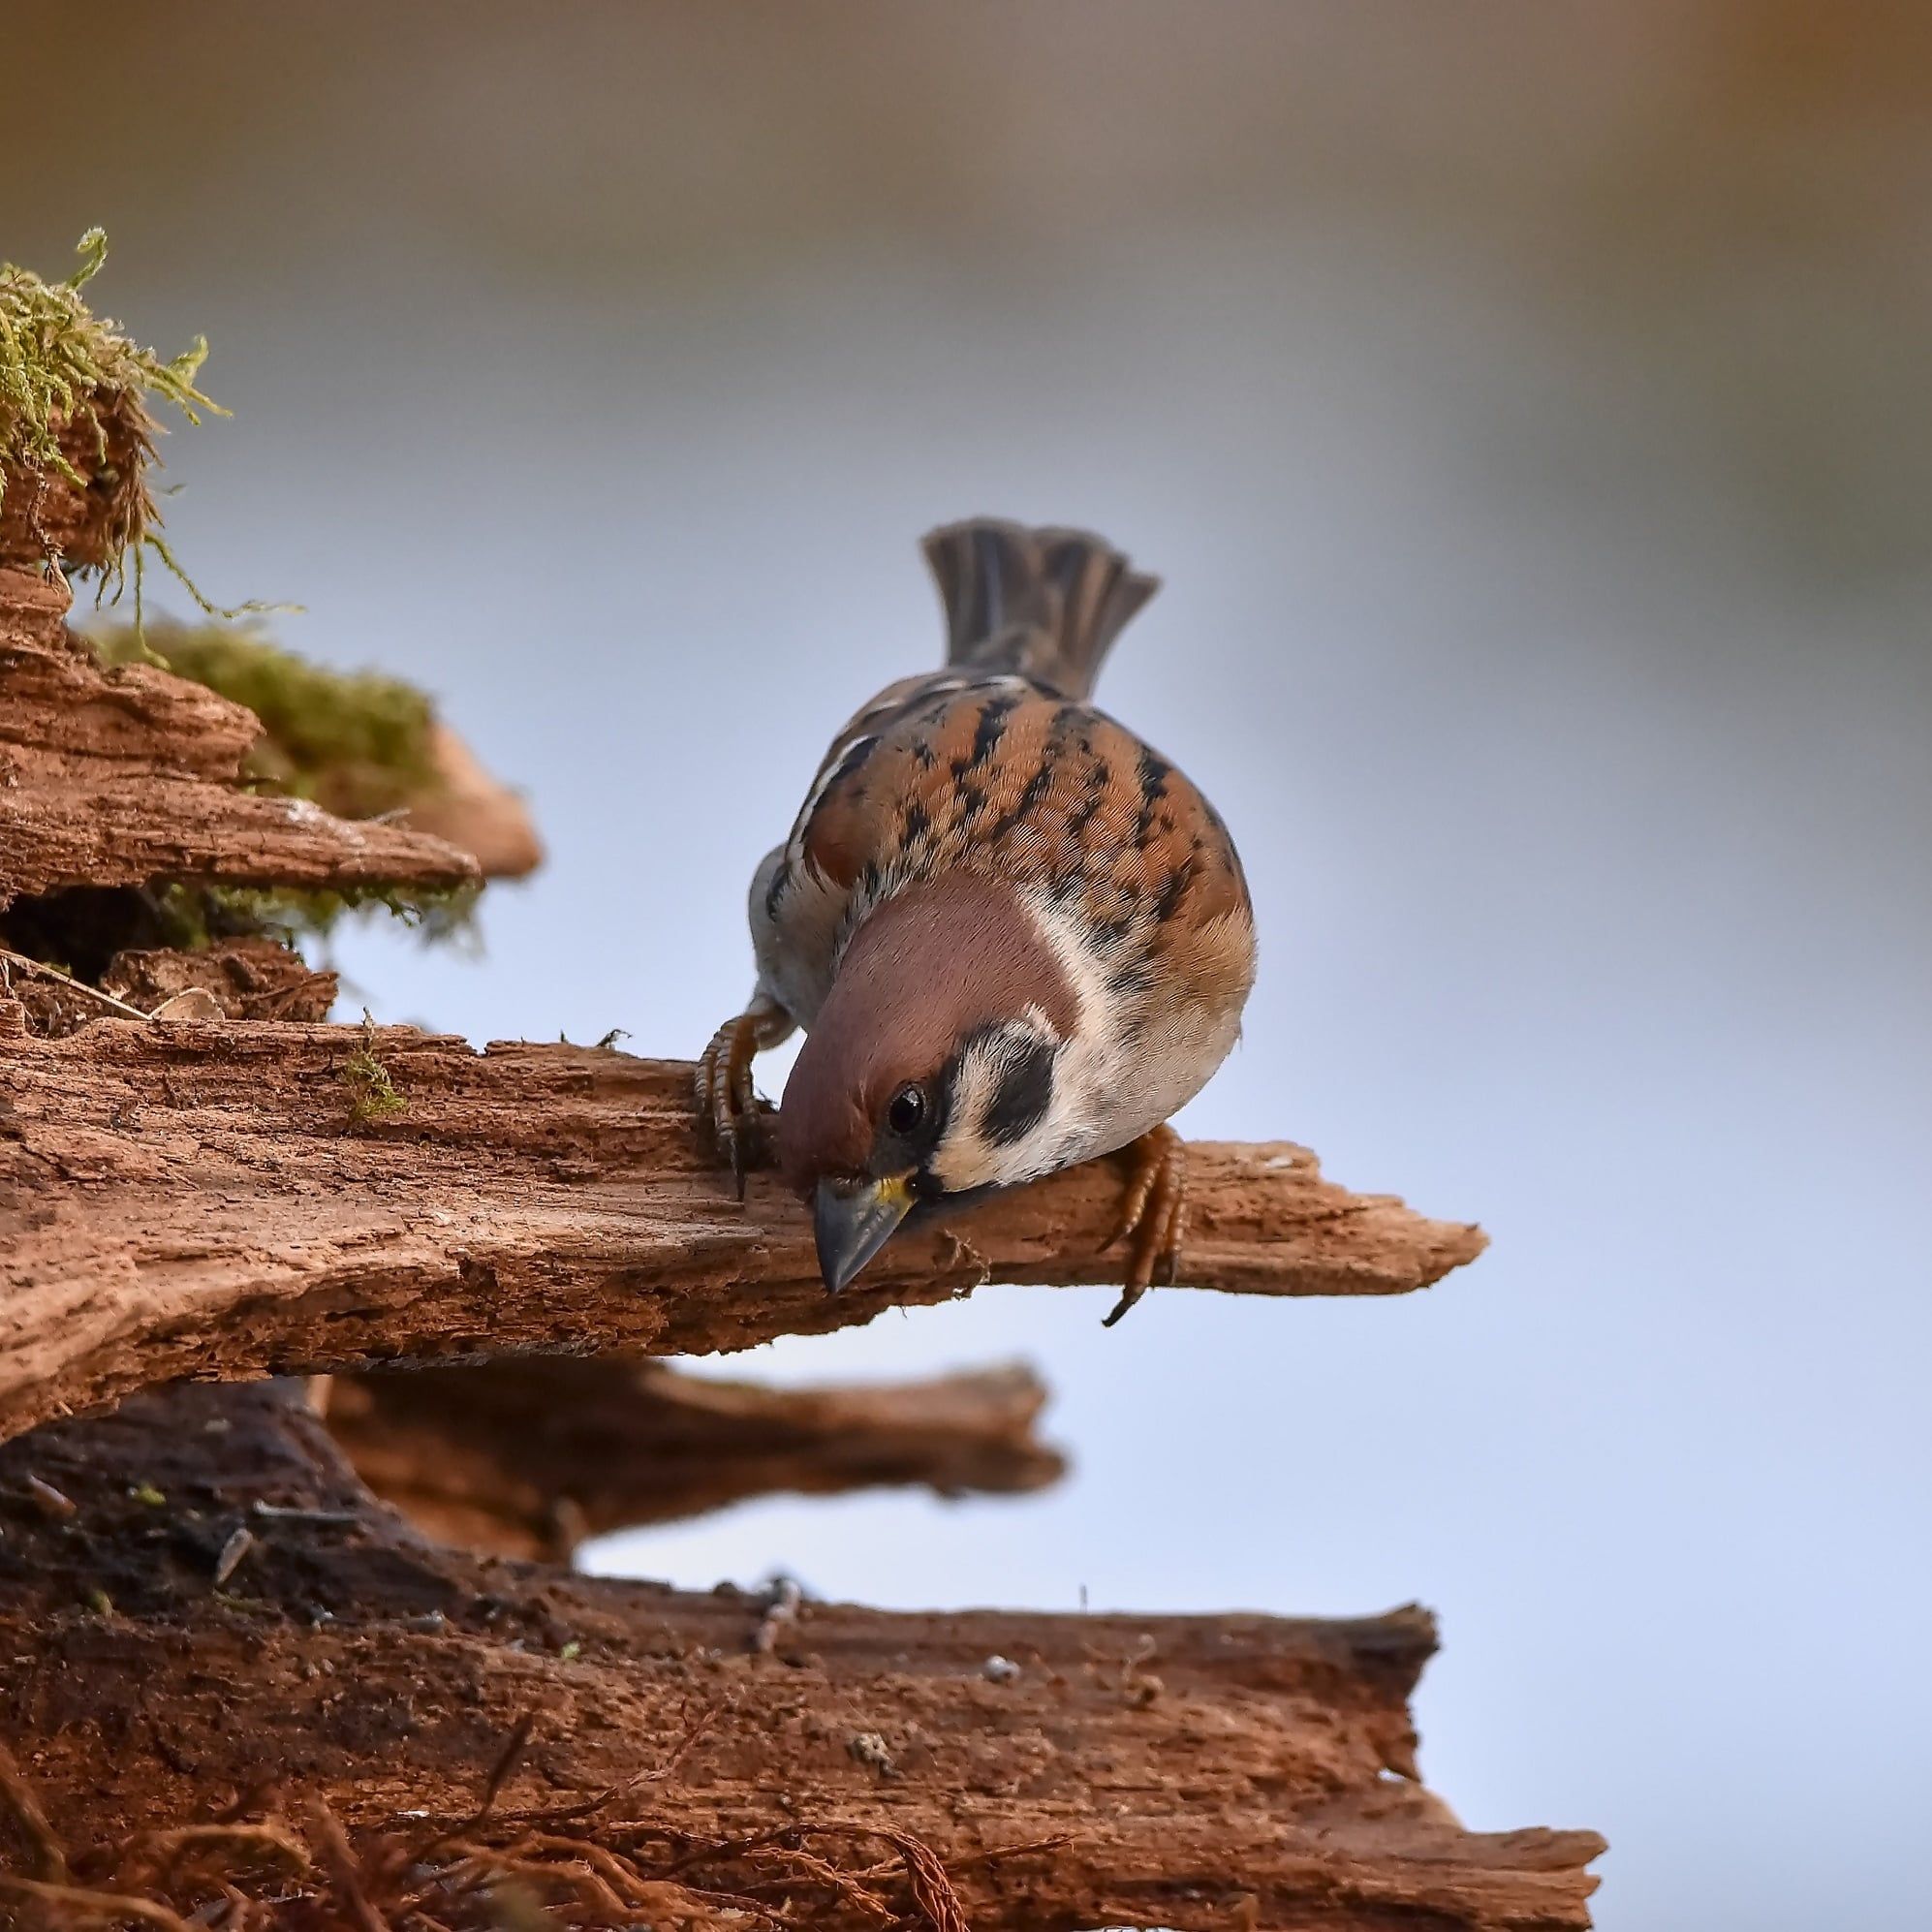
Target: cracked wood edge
x=1198, y=1772
x=197, y=1199
x=528, y=1457
x=122, y=776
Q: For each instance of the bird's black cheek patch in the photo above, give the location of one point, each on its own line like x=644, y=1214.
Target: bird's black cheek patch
x=1020, y=1101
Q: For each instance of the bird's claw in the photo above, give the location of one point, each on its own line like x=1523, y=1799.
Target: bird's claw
x=732, y=1116
x=746, y=1143
x=1153, y=1215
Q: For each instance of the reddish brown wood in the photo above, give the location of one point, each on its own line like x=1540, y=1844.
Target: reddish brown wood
x=1194, y=1772
x=201, y=1198
x=120, y=777
x=528, y=1457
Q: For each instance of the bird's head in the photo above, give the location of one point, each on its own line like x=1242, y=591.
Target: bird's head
x=928, y=1074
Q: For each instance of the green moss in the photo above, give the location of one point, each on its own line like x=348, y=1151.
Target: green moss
x=356, y=742
x=372, y=1093
x=61, y=367
x=195, y=915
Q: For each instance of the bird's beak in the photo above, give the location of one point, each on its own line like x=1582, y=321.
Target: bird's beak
x=852, y=1219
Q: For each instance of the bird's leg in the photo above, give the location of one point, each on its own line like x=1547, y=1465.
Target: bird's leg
x=731, y=1114
x=1153, y=1216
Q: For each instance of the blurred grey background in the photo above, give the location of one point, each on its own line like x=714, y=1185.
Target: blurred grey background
x=1529, y=410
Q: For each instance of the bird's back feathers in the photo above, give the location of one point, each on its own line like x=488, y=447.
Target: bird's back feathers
x=1043, y=603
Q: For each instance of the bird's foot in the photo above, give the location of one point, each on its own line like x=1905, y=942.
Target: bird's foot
x=1153, y=1216
x=732, y=1116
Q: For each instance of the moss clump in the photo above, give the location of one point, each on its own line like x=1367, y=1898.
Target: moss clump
x=372, y=1093
x=81, y=930
x=73, y=393
x=195, y=915
x=356, y=742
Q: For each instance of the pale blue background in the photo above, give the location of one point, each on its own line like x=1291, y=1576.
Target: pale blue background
x=1528, y=409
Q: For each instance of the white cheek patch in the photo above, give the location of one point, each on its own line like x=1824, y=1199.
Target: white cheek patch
x=963, y=1160
x=1000, y=1109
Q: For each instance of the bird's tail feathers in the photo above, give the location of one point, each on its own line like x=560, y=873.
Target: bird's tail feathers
x=1045, y=603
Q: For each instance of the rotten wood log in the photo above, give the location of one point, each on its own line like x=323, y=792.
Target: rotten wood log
x=247, y=979
x=118, y=777
x=241, y=979
x=207, y=1199
x=1191, y=1772
x=528, y=1459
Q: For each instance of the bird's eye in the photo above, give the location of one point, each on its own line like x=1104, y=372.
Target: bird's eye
x=906, y=1110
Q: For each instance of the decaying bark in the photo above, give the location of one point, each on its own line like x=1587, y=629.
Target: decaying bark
x=246, y=979
x=201, y=1199
x=120, y=777
x=527, y=1458
x=1178, y=1771
x=43, y=515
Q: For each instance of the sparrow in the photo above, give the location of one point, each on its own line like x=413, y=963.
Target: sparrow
x=1016, y=936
